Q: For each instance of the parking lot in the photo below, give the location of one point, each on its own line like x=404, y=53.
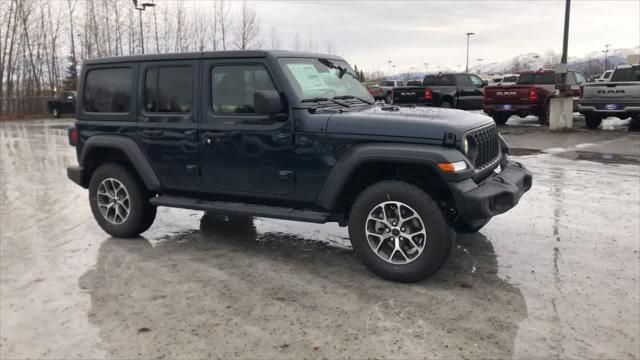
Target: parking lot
x=556, y=277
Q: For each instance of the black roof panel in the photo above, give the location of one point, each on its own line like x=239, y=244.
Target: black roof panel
x=209, y=55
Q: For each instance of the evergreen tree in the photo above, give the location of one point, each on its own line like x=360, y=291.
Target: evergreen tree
x=70, y=82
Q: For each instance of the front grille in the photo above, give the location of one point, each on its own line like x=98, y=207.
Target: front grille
x=487, y=145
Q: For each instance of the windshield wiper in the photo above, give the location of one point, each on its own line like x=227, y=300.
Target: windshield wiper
x=318, y=99
x=345, y=97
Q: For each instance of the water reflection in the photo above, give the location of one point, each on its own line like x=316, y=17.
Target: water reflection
x=229, y=289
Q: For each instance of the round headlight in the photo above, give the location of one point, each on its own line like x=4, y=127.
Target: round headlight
x=466, y=146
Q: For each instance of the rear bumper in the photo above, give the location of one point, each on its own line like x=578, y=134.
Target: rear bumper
x=495, y=195
x=522, y=109
x=598, y=108
x=76, y=174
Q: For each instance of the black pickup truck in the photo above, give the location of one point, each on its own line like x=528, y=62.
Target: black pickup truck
x=286, y=135
x=454, y=90
x=63, y=104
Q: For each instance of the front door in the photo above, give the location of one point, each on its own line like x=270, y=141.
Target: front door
x=167, y=121
x=243, y=152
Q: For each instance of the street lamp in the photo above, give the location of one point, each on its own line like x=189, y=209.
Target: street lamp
x=606, y=52
x=468, y=36
x=140, y=9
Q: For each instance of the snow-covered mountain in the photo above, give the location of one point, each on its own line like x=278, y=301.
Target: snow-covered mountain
x=592, y=62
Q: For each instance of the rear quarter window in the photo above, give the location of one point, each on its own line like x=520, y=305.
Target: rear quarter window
x=627, y=74
x=108, y=90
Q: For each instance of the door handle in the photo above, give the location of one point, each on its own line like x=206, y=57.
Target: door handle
x=213, y=137
x=284, y=137
x=152, y=133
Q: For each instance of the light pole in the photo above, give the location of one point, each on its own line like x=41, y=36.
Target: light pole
x=140, y=9
x=606, y=53
x=468, y=36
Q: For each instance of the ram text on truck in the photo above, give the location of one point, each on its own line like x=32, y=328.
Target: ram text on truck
x=619, y=97
x=529, y=96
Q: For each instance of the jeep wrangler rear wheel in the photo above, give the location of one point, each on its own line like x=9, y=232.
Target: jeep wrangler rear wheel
x=399, y=232
x=118, y=202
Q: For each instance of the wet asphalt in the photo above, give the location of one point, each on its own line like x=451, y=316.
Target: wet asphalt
x=556, y=277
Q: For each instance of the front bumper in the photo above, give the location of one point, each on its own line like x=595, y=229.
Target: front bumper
x=76, y=174
x=494, y=195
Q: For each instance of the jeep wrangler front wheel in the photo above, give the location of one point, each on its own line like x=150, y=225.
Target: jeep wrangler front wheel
x=118, y=202
x=399, y=232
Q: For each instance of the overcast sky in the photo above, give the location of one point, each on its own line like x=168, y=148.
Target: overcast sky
x=411, y=33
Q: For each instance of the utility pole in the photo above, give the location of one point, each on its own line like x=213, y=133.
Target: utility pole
x=468, y=36
x=606, y=53
x=560, y=113
x=140, y=9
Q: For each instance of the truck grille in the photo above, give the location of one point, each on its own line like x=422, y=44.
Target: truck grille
x=488, y=145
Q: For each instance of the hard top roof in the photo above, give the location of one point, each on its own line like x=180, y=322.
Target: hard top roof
x=236, y=54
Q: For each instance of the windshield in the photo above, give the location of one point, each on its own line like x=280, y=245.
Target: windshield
x=322, y=78
x=536, y=78
x=626, y=74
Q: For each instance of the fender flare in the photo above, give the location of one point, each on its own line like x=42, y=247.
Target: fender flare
x=131, y=150
x=357, y=155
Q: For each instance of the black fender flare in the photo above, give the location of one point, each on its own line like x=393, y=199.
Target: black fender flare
x=357, y=155
x=131, y=150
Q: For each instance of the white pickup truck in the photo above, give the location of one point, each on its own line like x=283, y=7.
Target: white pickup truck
x=620, y=97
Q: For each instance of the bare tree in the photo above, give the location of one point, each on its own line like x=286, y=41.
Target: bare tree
x=247, y=28
x=330, y=47
x=213, y=26
x=296, y=42
x=274, y=37
x=224, y=22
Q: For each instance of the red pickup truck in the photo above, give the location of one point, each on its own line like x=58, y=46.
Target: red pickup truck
x=529, y=96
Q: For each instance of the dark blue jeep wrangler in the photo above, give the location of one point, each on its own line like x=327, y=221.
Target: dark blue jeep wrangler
x=291, y=136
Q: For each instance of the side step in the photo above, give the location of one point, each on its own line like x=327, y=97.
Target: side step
x=241, y=209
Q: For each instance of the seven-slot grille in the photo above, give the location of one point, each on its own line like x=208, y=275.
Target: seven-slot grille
x=488, y=146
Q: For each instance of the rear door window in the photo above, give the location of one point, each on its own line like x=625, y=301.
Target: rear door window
x=540, y=78
x=462, y=80
x=108, y=90
x=169, y=90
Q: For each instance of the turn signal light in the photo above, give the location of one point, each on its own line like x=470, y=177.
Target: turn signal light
x=452, y=167
x=533, y=95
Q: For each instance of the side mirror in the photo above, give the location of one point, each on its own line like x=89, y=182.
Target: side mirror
x=267, y=102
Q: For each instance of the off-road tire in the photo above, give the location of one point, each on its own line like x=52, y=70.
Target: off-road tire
x=388, y=98
x=634, y=123
x=141, y=213
x=500, y=119
x=593, y=121
x=439, y=236
x=543, y=118
x=446, y=104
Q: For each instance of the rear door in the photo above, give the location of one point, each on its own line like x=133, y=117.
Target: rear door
x=167, y=121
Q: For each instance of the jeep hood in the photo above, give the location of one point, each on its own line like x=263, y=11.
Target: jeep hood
x=423, y=122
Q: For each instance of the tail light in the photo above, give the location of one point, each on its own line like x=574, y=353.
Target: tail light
x=73, y=136
x=533, y=95
x=428, y=94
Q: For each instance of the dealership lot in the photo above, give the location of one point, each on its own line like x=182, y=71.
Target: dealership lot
x=558, y=276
